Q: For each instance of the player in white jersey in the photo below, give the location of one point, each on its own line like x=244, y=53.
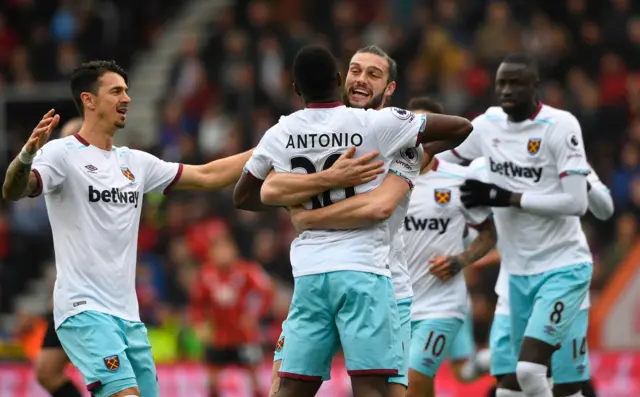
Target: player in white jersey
x=433, y=232
x=570, y=364
x=343, y=295
x=93, y=194
x=51, y=361
x=369, y=84
x=537, y=188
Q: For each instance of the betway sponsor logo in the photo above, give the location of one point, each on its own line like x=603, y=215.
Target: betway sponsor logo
x=113, y=195
x=438, y=225
x=511, y=170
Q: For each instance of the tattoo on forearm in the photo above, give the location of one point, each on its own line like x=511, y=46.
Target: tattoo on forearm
x=480, y=246
x=17, y=180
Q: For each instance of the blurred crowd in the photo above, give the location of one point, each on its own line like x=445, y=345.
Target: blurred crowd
x=228, y=89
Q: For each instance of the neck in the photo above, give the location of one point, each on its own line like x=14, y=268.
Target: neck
x=97, y=135
x=528, y=112
x=328, y=99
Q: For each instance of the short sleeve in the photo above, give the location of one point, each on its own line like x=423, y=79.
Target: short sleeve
x=398, y=129
x=471, y=148
x=49, y=167
x=261, y=161
x=407, y=163
x=159, y=175
x=567, y=147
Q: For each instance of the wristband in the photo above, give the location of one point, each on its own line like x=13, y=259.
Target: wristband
x=25, y=157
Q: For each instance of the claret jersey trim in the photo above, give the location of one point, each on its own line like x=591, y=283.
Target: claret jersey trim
x=81, y=139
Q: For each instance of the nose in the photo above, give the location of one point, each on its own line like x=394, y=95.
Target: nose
x=126, y=98
x=506, y=90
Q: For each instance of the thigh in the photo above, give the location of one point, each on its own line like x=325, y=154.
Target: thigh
x=521, y=301
x=96, y=345
x=367, y=322
x=141, y=359
x=431, y=341
x=503, y=360
x=570, y=364
x=310, y=334
x=463, y=344
x=404, y=314
x=558, y=298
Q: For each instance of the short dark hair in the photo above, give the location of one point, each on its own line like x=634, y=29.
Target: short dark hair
x=375, y=50
x=315, y=72
x=85, y=79
x=426, y=104
x=521, y=58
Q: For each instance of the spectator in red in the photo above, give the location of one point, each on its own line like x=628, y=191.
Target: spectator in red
x=230, y=297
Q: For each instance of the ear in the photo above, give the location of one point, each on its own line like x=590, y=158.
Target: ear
x=296, y=89
x=88, y=100
x=391, y=88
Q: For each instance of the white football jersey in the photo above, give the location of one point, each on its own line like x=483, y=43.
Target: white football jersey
x=311, y=140
x=532, y=156
x=94, y=202
x=434, y=226
x=502, y=284
x=406, y=165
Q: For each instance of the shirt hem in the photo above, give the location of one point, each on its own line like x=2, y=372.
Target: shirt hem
x=546, y=269
x=435, y=316
x=345, y=268
x=72, y=313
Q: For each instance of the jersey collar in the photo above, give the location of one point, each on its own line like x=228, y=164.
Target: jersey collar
x=436, y=163
x=324, y=105
x=536, y=112
x=81, y=139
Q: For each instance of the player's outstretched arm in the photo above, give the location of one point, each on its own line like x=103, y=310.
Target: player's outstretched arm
x=20, y=181
x=572, y=201
x=288, y=189
x=362, y=210
x=445, y=267
x=442, y=127
x=214, y=175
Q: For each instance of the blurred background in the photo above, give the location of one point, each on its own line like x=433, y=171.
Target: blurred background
x=208, y=78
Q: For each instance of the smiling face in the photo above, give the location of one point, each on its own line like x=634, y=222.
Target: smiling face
x=367, y=83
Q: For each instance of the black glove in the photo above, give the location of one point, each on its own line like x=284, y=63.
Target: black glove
x=479, y=194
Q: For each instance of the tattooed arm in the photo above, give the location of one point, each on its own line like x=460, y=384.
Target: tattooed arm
x=446, y=267
x=19, y=182
x=481, y=245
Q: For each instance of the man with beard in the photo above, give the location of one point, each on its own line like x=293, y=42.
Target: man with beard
x=369, y=84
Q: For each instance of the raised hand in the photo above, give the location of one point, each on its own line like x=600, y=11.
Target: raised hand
x=41, y=133
x=348, y=171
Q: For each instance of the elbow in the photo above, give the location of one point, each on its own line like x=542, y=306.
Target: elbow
x=7, y=195
x=463, y=129
x=381, y=212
